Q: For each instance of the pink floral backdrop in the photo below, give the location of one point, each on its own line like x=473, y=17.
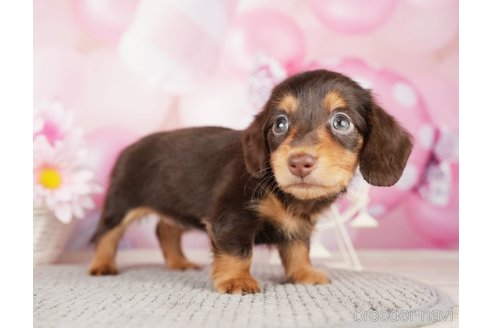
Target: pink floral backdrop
x=125, y=68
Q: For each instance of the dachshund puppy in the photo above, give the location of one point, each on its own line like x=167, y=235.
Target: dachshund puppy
x=266, y=184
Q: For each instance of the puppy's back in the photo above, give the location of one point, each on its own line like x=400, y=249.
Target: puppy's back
x=174, y=173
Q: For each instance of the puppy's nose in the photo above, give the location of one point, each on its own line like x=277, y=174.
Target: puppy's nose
x=301, y=165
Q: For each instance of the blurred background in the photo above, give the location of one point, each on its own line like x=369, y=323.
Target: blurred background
x=126, y=68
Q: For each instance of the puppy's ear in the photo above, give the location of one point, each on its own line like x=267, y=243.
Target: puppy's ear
x=254, y=145
x=386, y=149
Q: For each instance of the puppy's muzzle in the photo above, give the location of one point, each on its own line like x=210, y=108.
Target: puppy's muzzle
x=301, y=165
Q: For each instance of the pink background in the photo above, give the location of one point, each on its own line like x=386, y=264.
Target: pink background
x=129, y=68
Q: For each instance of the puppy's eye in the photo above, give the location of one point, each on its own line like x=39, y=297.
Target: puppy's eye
x=281, y=125
x=341, y=123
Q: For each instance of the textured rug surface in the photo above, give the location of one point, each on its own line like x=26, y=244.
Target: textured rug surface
x=152, y=296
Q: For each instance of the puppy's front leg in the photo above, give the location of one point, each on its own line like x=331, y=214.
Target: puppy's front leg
x=231, y=274
x=232, y=236
x=297, y=265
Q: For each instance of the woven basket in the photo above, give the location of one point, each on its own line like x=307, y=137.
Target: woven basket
x=50, y=236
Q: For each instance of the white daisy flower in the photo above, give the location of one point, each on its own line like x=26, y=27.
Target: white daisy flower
x=62, y=182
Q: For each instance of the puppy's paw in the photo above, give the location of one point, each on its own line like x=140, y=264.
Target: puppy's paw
x=182, y=265
x=246, y=285
x=310, y=277
x=102, y=268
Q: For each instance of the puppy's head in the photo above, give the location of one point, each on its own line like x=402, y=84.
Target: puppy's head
x=316, y=128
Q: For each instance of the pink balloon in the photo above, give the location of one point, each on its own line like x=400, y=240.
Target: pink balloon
x=117, y=96
x=430, y=4
x=59, y=75
x=402, y=100
x=104, y=145
x=420, y=29
x=264, y=32
x=449, y=66
x=220, y=102
x=439, y=223
x=105, y=20
x=353, y=16
x=55, y=24
x=176, y=44
x=440, y=96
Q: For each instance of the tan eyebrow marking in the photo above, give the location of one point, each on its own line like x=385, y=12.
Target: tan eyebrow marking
x=288, y=103
x=334, y=100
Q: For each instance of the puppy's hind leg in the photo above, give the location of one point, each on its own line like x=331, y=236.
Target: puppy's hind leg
x=169, y=236
x=107, y=239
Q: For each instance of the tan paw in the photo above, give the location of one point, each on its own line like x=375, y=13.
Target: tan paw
x=102, y=269
x=246, y=285
x=182, y=265
x=310, y=277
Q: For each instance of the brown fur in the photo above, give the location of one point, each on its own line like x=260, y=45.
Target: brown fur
x=241, y=186
x=169, y=236
x=383, y=165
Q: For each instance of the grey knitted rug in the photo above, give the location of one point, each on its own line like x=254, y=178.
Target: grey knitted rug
x=152, y=296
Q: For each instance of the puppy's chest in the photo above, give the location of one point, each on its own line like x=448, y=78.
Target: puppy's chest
x=281, y=222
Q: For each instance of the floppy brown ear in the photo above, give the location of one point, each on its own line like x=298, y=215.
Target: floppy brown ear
x=254, y=145
x=386, y=149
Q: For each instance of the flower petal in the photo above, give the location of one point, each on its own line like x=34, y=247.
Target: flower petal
x=63, y=213
x=83, y=176
x=78, y=212
x=50, y=201
x=62, y=195
x=81, y=189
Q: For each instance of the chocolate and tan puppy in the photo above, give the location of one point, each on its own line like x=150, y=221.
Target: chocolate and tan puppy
x=266, y=184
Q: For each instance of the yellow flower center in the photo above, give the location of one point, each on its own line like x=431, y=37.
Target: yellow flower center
x=50, y=178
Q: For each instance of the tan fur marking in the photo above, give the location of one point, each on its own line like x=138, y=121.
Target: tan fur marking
x=334, y=100
x=103, y=262
x=292, y=225
x=136, y=214
x=231, y=275
x=339, y=163
x=278, y=159
x=288, y=103
x=297, y=265
x=169, y=236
